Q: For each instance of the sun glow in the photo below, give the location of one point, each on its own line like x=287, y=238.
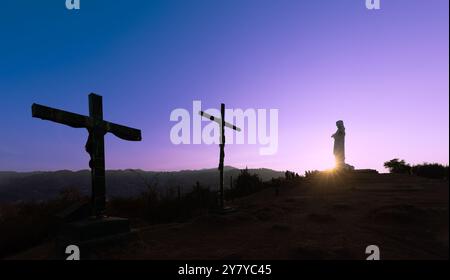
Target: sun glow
x=330, y=164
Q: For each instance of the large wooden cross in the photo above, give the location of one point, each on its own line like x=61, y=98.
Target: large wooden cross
x=95, y=145
x=221, y=121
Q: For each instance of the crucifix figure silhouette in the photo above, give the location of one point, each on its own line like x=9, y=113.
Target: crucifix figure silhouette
x=95, y=145
x=221, y=121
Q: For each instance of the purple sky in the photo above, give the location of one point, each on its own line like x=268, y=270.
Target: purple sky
x=385, y=73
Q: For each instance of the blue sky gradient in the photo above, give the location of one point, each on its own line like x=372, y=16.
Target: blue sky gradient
x=384, y=72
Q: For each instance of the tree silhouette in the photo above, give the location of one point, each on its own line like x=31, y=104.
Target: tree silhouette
x=431, y=170
x=398, y=166
x=247, y=183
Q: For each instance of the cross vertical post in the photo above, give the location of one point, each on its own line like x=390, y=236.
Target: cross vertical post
x=222, y=152
x=221, y=121
x=97, y=153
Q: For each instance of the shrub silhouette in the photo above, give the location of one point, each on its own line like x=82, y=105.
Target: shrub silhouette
x=428, y=170
x=154, y=208
x=26, y=224
x=311, y=173
x=201, y=197
x=398, y=166
x=431, y=170
x=289, y=175
x=246, y=184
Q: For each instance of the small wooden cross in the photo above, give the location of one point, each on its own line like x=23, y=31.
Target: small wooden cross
x=95, y=145
x=221, y=121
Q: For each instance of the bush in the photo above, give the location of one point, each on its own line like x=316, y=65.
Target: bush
x=153, y=208
x=428, y=170
x=311, y=173
x=289, y=175
x=246, y=184
x=431, y=170
x=27, y=224
x=398, y=166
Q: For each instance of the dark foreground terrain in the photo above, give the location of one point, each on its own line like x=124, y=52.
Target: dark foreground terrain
x=326, y=217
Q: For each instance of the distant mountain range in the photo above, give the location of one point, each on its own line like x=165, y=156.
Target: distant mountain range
x=41, y=186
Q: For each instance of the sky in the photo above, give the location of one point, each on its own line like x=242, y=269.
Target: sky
x=384, y=72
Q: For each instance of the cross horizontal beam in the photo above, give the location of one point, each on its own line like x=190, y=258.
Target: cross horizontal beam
x=80, y=121
x=218, y=120
x=60, y=116
x=124, y=132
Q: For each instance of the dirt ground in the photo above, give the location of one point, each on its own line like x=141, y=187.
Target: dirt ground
x=325, y=218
